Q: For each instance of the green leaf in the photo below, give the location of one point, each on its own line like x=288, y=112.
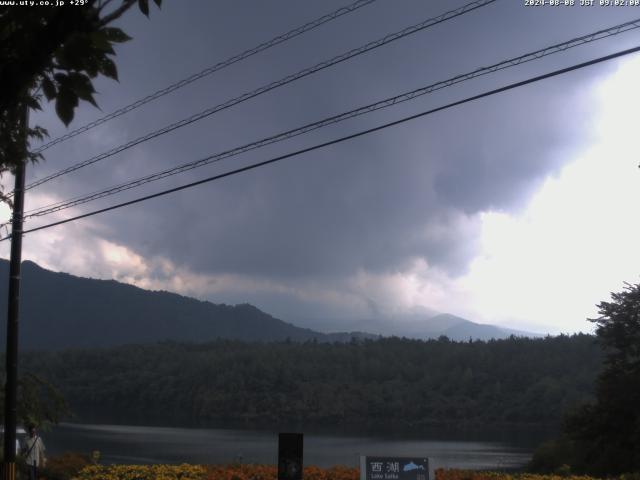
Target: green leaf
x=89, y=98
x=108, y=68
x=73, y=53
x=37, y=132
x=101, y=43
x=82, y=87
x=66, y=102
x=33, y=103
x=80, y=83
x=158, y=3
x=92, y=65
x=64, y=109
x=115, y=35
x=144, y=6
x=48, y=88
x=33, y=158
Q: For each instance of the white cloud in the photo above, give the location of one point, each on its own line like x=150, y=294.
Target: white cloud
x=578, y=239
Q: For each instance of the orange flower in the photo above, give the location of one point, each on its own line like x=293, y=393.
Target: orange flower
x=270, y=472
x=455, y=474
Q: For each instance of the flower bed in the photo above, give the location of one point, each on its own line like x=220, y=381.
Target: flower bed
x=210, y=472
x=454, y=474
x=142, y=472
x=270, y=472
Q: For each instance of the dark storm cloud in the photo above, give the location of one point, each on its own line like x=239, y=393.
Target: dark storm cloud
x=502, y=149
x=375, y=203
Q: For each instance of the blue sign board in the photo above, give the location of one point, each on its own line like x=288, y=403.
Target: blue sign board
x=394, y=468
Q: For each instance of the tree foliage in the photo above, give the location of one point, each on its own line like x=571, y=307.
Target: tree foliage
x=55, y=52
x=391, y=383
x=606, y=434
x=39, y=402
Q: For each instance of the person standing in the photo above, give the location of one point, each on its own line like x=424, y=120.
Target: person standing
x=34, y=452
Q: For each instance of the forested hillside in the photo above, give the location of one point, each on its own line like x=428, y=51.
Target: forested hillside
x=405, y=383
x=59, y=310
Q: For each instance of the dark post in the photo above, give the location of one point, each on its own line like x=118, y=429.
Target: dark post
x=290, y=447
x=11, y=363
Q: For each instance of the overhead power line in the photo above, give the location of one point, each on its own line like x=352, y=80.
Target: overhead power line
x=266, y=88
x=209, y=70
x=560, y=47
x=341, y=139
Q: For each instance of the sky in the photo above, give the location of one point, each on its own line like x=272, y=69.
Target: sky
x=518, y=210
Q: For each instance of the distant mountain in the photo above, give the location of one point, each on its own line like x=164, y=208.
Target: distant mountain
x=458, y=328
x=430, y=324
x=59, y=310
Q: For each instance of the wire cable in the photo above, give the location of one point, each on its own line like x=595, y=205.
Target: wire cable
x=208, y=71
x=266, y=88
x=341, y=139
x=560, y=47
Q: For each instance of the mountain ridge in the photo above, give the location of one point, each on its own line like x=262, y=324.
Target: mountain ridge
x=60, y=310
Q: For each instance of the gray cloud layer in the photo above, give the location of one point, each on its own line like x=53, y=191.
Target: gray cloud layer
x=375, y=204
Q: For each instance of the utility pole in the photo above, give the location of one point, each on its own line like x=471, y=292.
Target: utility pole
x=11, y=363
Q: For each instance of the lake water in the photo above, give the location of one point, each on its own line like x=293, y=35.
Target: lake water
x=145, y=445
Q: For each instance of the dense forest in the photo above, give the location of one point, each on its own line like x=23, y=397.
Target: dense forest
x=409, y=384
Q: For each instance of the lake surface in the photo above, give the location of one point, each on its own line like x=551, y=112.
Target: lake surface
x=145, y=445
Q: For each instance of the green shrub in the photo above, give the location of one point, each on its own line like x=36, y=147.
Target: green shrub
x=66, y=466
x=553, y=457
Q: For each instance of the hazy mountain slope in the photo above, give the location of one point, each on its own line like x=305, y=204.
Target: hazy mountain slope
x=425, y=327
x=476, y=331
x=60, y=310
x=421, y=325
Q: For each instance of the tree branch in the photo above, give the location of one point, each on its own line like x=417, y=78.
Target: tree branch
x=117, y=13
x=102, y=4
